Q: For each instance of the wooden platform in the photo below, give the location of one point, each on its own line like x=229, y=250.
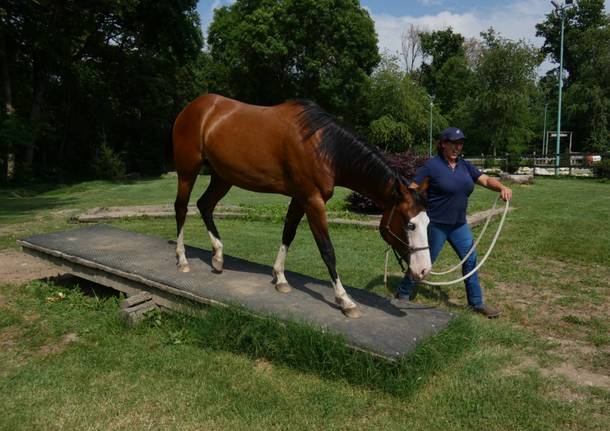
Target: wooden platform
x=132, y=262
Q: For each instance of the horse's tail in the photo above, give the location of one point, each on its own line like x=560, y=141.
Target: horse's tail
x=168, y=151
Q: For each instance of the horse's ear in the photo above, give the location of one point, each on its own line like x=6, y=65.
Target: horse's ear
x=397, y=190
x=423, y=187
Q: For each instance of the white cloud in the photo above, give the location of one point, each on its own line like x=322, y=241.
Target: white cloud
x=516, y=20
x=429, y=2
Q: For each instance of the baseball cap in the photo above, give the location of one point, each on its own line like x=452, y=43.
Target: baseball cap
x=452, y=134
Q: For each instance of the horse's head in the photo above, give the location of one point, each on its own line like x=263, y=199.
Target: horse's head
x=404, y=226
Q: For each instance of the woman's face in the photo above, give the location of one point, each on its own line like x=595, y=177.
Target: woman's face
x=452, y=149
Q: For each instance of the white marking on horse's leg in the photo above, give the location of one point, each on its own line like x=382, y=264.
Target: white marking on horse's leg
x=349, y=307
x=281, y=284
x=183, y=265
x=217, y=259
x=341, y=295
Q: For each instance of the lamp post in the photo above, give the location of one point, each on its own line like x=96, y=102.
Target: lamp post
x=544, y=137
x=430, y=129
x=560, y=9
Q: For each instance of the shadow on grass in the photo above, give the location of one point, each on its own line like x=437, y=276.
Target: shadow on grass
x=20, y=201
x=87, y=288
x=436, y=293
x=16, y=208
x=433, y=293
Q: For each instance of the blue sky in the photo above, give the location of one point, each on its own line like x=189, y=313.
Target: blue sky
x=514, y=19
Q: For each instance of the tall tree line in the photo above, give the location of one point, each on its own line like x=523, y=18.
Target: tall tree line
x=79, y=78
x=91, y=84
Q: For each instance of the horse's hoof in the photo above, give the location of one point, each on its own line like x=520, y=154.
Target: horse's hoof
x=283, y=288
x=217, y=265
x=184, y=268
x=352, y=313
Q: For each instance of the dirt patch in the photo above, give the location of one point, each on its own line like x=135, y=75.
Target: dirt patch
x=567, y=370
x=11, y=229
x=579, y=376
x=56, y=347
x=548, y=310
x=19, y=268
x=101, y=214
x=263, y=364
x=8, y=337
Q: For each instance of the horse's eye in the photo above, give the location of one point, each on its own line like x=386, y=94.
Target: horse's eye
x=411, y=226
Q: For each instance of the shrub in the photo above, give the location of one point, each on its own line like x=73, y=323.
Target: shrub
x=513, y=162
x=489, y=163
x=108, y=164
x=405, y=163
x=389, y=134
x=602, y=169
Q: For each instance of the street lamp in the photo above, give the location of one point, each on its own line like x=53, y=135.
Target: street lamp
x=560, y=9
x=430, y=141
x=544, y=137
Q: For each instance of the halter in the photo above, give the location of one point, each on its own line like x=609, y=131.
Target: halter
x=409, y=248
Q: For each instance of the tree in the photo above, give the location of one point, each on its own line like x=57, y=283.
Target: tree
x=448, y=75
x=586, y=84
x=498, y=115
x=585, y=15
x=400, y=110
x=268, y=51
x=411, y=47
x=94, y=73
x=588, y=98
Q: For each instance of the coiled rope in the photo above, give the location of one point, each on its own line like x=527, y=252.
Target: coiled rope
x=474, y=246
x=448, y=283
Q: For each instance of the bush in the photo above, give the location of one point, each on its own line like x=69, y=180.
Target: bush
x=389, y=134
x=15, y=133
x=489, y=163
x=602, y=169
x=405, y=163
x=108, y=165
x=513, y=162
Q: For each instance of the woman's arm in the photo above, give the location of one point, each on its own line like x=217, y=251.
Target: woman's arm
x=493, y=184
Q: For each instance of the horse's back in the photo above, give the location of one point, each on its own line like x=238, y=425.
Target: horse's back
x=255, y=147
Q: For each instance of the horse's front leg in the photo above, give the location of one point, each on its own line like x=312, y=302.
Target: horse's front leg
x=316, y=216
x=293, y=218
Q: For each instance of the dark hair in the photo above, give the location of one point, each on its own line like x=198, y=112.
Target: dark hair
x=439, y=148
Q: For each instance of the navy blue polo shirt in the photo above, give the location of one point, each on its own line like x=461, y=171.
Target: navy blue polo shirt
x=448, y=188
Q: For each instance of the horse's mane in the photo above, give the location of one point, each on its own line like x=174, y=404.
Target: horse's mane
x=346, y=152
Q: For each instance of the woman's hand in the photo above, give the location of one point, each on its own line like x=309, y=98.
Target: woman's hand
x=493, y=184
x=506, y=194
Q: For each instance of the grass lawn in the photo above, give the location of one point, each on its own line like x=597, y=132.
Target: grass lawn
x=67, y=362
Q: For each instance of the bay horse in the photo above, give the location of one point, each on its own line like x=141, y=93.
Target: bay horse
x=299, y=150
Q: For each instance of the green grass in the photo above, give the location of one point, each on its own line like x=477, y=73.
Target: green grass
x=224, y=369
x=68, y=362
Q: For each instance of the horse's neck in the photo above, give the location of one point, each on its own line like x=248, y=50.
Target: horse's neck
x=360, y=184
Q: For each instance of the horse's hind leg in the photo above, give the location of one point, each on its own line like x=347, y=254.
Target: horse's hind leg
x=185, y=185
x=206, y=204
x=293, y=217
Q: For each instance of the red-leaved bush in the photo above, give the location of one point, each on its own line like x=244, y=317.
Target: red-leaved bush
x=405, y=163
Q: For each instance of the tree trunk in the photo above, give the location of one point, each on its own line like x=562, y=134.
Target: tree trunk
x=39, y=87
x=7, y=55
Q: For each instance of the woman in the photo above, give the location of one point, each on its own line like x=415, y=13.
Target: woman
x=451, y=181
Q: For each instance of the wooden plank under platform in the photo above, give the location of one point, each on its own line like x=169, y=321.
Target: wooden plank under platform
x=132, y=262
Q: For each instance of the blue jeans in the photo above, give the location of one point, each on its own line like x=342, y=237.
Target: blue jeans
x=460, y=238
